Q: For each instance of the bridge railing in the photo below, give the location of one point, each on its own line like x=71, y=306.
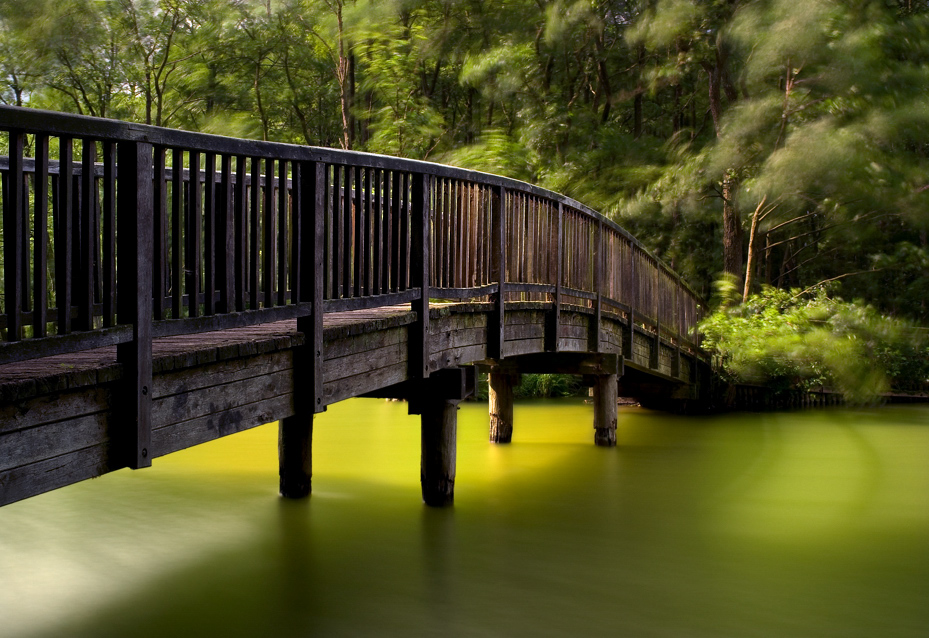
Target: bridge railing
x=109, y=226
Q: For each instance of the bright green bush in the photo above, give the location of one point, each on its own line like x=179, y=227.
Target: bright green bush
x=788, y=340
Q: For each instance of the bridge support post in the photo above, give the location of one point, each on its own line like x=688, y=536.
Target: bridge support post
x=436, y=400
x=439, y=448
x=295, y=447
x=501, y=383
x=605, y=397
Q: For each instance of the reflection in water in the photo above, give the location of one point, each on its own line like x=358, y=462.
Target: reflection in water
x=796, y=524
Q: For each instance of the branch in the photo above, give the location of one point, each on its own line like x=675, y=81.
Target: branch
x=826, y=281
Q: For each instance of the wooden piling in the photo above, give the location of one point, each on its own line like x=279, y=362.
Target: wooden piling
x=500, y=393
x=295, y=446
x=439, y=444
x=605, y=397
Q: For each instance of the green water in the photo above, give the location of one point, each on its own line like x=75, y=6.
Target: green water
x=801, y=524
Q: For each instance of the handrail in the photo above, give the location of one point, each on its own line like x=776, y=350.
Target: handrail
x=264, y=218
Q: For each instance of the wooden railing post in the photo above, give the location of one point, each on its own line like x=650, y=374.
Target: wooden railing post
x=593, y=335
x=295, y=434
x=419, y=274
x=554, y=327
x=495, y=324
x=135, y=201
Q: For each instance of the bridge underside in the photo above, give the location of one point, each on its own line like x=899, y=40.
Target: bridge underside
x=57, y=423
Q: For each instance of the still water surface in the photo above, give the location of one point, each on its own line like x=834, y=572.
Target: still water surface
x=797, y=524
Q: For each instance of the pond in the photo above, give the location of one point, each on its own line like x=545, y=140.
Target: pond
x=810, y=523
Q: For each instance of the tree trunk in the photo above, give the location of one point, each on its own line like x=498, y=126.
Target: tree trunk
x=752, y=250
x=732, y=229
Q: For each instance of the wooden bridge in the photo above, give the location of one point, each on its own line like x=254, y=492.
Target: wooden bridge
x=161, y=289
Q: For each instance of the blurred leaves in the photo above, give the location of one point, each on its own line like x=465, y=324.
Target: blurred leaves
x=789, y=340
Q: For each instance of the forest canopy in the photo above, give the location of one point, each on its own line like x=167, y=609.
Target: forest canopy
x=784, y=143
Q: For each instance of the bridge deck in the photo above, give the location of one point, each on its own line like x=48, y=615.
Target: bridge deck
x=57, y=423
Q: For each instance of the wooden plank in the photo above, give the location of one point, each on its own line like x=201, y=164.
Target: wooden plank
x=49, y=408
x=354, y=364
x=364, y=343
x=458, y=356
x=370, y=381
x=24, y=447
x=524, y=346
x=204, y=401
x=188, y=380
x=185, y=434
x=29, y=480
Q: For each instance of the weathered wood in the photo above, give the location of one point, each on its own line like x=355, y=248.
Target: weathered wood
x=14, y=233
x=135, y=198
x=185, y=434
x=295, y=453
x=500, y=403
x=439, y=430
x=605, y=398
x=495, y=327
x=419, y=274
x=194, y=248
x=294, y=242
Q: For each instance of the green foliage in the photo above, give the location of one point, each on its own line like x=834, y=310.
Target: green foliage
x=545, y=386
x=639, y=108
x=537, y=386
x=788, y=340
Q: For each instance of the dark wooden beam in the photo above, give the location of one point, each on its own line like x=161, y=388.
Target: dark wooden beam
x=135, y=200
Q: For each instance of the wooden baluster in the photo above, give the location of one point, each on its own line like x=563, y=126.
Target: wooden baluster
x=212, y=209
x=84, y=275
x=370, y=248
x=177, y=233
x=346, y=246
x=109, y=234
x=160, y=230
x=269, y=236
x=62, y=230
x=194, y=247
x=225, y=238
x=283, y=215
x=380, y=219
x=40, y=238
x=254, y=238
x=14, y=234
x=240, y=220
